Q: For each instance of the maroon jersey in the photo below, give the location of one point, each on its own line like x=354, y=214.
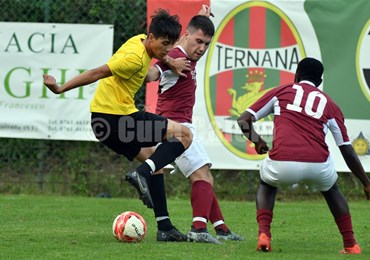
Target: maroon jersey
x=176, y=95
x=302, y=116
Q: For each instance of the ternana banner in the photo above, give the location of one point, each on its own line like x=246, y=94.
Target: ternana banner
x=29, y=50
x=256, y=47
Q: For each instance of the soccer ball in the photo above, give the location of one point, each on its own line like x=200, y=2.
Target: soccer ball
x=129, y=226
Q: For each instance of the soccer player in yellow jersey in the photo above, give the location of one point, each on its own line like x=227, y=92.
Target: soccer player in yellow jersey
x=116, y=121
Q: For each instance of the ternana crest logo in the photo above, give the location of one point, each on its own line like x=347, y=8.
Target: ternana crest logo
x=255, y=48
x=363, y=61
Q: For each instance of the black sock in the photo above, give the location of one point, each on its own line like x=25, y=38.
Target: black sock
x=167, y=152
x=145, y=170
x=158, y=193
x=164, y=224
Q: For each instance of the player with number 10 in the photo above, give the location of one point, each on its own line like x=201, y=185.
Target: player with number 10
x=303, y=114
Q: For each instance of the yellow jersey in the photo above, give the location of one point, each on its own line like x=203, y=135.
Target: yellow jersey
x=129, y=66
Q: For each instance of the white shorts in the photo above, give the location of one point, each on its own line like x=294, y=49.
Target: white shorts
x=317, y=176
x=194, y=157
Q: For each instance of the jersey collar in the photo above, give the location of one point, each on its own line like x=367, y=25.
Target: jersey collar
x=307, y=82
x=182, y=49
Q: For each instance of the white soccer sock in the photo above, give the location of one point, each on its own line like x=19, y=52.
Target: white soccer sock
x=200, y=219
x=151, y=165
x=161, y=218
x=218, y=222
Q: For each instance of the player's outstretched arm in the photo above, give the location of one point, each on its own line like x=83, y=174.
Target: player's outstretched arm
x=206, y=11
x=83, y=79
x=179, y=65
x=152, y=75
x=354, y=164
x=245, y=122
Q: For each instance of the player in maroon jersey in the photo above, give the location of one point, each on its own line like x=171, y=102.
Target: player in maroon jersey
x=303, y=114
x=176, y=99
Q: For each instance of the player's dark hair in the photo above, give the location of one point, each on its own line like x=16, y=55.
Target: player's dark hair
x=310, y=69
x=203, y=23
x=165, y=25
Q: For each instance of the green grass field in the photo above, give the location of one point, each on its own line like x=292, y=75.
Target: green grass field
x=52, y=227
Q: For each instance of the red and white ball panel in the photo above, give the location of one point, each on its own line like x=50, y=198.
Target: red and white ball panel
x=129, y=227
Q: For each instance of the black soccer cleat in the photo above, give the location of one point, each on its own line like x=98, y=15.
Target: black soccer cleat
x=172, y=235
x=141, y=185
x=201, y=236
x=229, y=235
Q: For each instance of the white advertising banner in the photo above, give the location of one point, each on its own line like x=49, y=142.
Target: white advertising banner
x=257, y=46
x=29, y=50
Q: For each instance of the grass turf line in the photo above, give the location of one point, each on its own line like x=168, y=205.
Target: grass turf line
x=53, y=227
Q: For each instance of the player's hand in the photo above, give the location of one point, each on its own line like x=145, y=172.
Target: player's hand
x=206, y=11
x=50, y=82
x=367, y=192
x=181, y=65
x=261, y=146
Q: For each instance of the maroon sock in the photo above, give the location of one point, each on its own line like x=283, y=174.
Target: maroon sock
x=201, y=201
x=215, y=215
x=344, y=224
x=264, y=219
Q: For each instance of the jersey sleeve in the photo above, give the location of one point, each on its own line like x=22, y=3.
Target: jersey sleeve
x=127, y=66
x=161, y=66
x=174, y=54
x=263, y=106
x=167, y=76
x=337, y=127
